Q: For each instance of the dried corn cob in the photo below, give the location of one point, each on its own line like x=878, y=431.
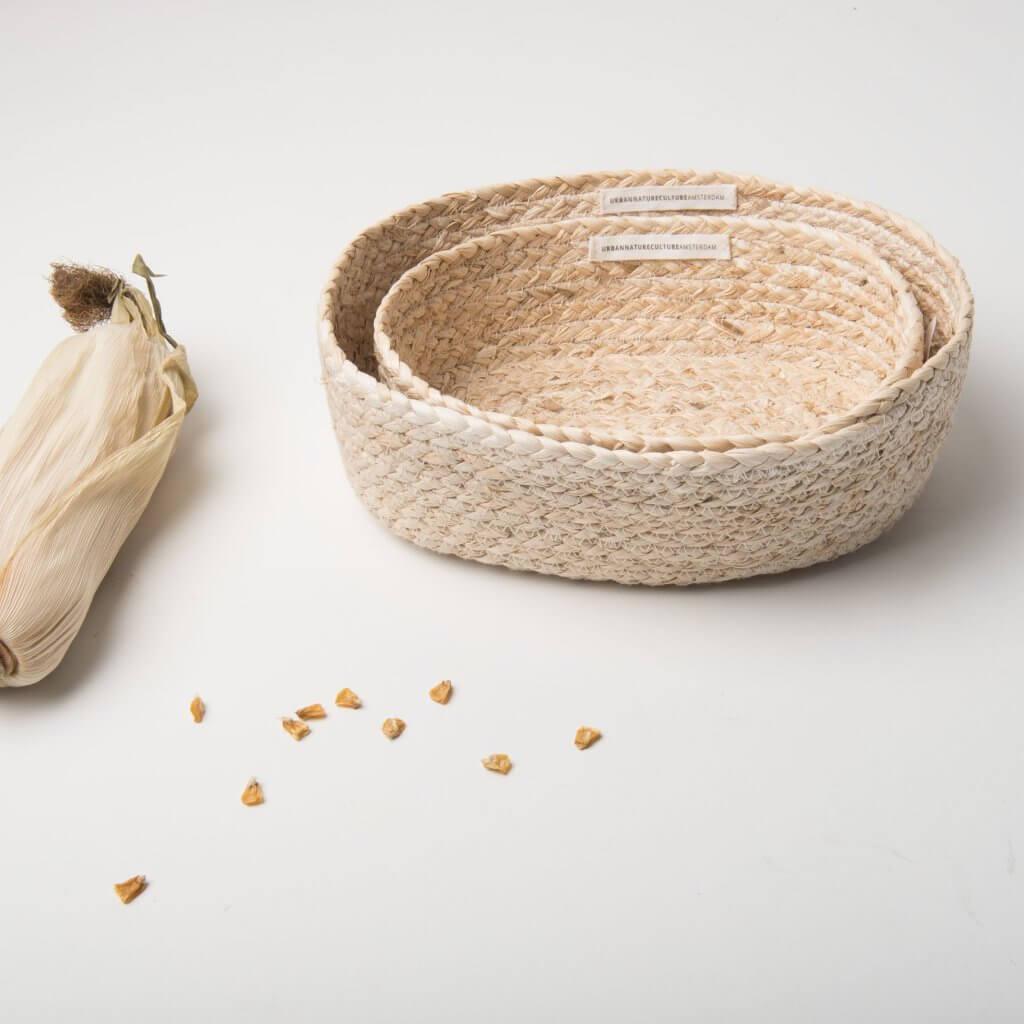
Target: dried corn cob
x=79, y=460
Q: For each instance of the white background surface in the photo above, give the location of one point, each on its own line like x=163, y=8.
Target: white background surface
x=809, y=805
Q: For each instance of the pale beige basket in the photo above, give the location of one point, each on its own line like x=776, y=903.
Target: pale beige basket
x=459, y=483
x=791, y=330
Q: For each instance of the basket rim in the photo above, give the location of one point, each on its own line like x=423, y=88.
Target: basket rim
x=387, y=353
x=337, y=363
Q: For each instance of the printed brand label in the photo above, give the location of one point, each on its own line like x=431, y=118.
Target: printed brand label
x=659, y=247
x=668, y=197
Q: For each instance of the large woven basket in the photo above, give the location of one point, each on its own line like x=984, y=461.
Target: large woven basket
x=797, y=331
x=460, y=483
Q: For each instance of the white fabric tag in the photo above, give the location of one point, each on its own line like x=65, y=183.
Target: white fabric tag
x=659, y=247
x=668, y=197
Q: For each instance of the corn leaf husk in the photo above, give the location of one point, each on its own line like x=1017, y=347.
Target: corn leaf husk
x=79, y=460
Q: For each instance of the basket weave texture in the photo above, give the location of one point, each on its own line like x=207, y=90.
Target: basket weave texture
x=486, y=474
x=796, y=331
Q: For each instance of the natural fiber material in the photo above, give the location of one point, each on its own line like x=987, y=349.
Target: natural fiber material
x=85, y=294
x=797, y=331
x=80, y=458
x=460, y=484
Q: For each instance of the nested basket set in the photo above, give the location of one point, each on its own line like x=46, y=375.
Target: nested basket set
x=662, y=377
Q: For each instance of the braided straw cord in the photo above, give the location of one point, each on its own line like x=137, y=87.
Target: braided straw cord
x=795, y=333
x=458, y=484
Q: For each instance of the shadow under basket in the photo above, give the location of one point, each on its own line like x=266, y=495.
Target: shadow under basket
x=649, y=491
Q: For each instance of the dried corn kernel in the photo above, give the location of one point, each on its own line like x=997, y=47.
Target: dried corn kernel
x=442, y=693
x=198, y=709
x=498, y=763
x=252, y=795
x=311, y=711
x=296, y=729
x=127, y=891
x=347, y=699
x=585, y=736
x=393, y=728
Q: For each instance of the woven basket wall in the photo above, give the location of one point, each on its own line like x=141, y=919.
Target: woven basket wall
x=464, y=484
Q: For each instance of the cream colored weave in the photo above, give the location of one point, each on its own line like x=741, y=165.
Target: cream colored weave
x=464, y=485
x=796, y=332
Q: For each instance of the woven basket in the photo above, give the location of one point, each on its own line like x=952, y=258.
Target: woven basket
x=796, y=332
x=461, y=484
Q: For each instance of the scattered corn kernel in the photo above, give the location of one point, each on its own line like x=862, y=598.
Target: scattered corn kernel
x=296, y=729
x=198, y=709
x=393, y=728
x=311, y=711
x=252, y=795
x=498, y=763
x=442, y=693
x=347, y=699
x=127, y=891
x=585, y=736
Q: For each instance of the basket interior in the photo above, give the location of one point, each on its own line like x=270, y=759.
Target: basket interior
x=796, y=328
x=377, y=258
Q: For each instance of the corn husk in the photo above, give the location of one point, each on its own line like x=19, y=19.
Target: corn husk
x=79, y=460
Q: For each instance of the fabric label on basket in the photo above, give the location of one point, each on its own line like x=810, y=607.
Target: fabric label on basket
x=659, y=247
x=668, y=197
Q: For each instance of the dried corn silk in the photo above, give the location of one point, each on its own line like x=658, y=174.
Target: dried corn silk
x=310, y=712
x=347, y=699
x=442, y=692
x=296, y=729
x=500, y=763
x=393, y=728
x=127, y=891
x=80, y=458
x=198, y=709
x=252, y=795
x=585, y=737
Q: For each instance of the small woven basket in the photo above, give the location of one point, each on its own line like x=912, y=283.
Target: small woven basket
x=685, y=509
x=795, y=332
